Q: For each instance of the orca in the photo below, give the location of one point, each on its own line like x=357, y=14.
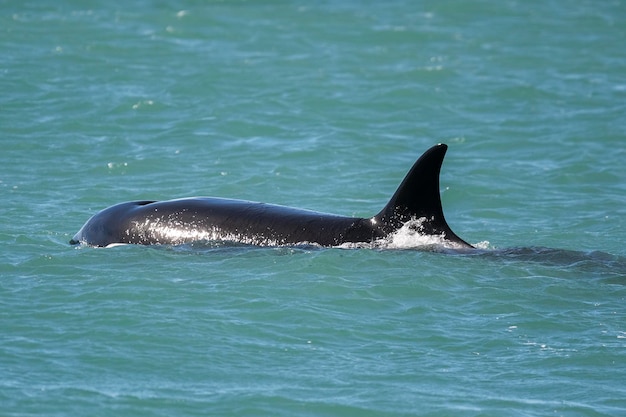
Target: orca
x=197, y=219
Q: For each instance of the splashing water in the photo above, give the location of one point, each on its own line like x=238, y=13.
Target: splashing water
x=412, y=236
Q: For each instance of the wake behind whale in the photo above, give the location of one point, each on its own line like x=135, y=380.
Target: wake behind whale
x=415, y=208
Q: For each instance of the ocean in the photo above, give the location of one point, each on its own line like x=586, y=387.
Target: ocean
x=324, y=106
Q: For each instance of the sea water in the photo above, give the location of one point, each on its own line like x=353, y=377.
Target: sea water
x=324, y=106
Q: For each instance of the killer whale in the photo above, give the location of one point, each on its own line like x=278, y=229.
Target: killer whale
x=189, y=220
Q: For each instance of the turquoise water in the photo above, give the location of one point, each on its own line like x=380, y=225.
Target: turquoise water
x=322, y=106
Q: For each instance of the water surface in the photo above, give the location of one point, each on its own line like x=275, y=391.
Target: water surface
x=320, y=106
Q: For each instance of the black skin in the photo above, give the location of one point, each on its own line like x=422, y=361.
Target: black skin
x=187, y=220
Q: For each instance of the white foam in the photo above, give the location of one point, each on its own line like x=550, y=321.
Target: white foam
x=411, y=236
x=484, y=245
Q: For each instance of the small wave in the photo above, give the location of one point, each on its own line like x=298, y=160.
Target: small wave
x=591, y=263
x=411, y=236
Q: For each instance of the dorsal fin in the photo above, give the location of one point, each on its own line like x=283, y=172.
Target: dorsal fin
x=418, y=197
